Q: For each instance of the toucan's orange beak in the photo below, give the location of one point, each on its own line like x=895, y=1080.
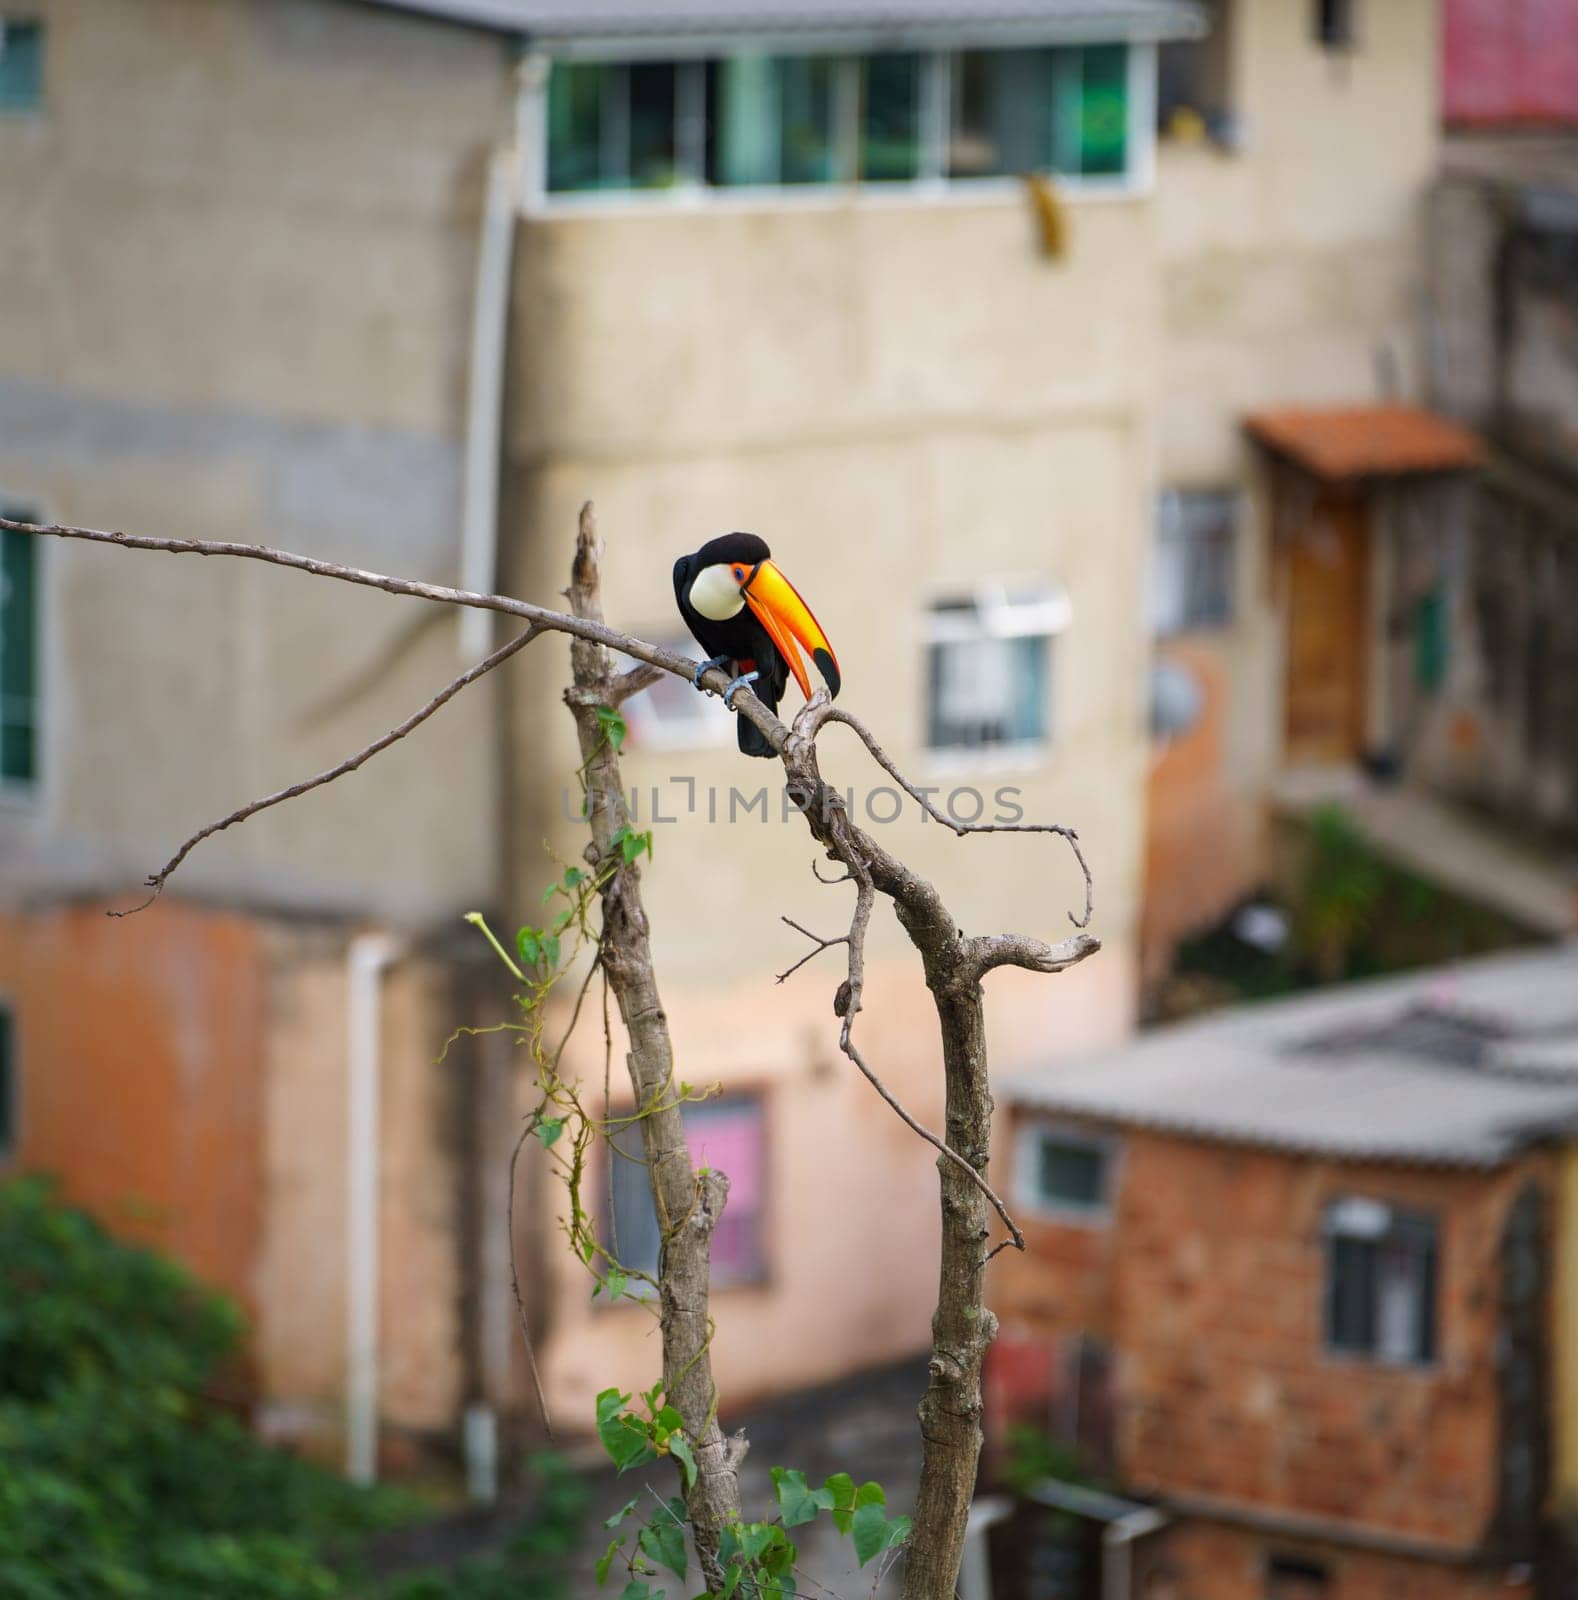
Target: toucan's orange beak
x=787, y=617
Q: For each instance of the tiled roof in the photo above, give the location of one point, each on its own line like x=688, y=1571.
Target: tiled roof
x=1460, y=1067
x=1384, y=441
x=650, y=19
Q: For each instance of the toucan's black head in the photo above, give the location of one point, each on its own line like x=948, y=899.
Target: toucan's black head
x=746, y=548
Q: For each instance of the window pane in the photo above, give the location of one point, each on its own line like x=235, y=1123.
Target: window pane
x=651, y=163
x=611, y=126
x=18, y=652
x=987, y=691
x=1071, y=1172
x=1004, y=113
x=890, y=117
x=21, y=65
x=575, y=125
x=774, y=120
x=726, y=1135
x=1351, y=1294
x=1192, y=578
x=1104, y=110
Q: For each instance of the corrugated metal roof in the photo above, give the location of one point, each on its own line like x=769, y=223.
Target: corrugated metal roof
x=1367, y=1072
x=867, y=19
x=1385, y=441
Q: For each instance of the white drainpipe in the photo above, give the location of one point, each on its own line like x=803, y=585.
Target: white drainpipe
x=365, y=960
x=479, y=526
x=1118, y=1540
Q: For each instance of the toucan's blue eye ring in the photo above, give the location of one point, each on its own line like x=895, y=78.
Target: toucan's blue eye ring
x=739, y=574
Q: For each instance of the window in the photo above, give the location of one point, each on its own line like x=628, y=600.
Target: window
x=1063, y=1170
x=613, y=127
x=989, y=668
x=21, y=64
x=1334, y=24
x=8, y=1086
x=1192, y=580
x=754, y=119
x=1297, y=1578
x=1381, y=1269
x=1194, y=82
x=670, y=714
x=18, y=651
x=726, y=1134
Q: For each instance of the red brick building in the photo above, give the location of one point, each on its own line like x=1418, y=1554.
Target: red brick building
x=1289, y=1281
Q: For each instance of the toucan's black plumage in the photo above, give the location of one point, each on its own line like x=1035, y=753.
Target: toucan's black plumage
x=764, y=616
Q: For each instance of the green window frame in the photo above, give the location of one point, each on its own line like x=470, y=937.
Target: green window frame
x=19, y=651
x=21, y=64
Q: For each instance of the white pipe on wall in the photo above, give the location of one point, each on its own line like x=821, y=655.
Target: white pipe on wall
x=366, y=958
x=479, y=530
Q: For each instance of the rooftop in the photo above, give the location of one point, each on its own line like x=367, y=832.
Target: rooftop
x=1459, y=1066
x=869, y=21
x=1351, y=442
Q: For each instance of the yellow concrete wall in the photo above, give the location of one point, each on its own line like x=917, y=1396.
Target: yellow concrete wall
x=240, y=249
x=903, y=399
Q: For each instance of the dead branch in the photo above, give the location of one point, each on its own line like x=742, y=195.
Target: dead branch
x=688, y=1203
x=816, y=938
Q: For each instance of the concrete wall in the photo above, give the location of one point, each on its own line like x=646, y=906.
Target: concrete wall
x=904, y=399
x=240, y=250
x=1223, y=1387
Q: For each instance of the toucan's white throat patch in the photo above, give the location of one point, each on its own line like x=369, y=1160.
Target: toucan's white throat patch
x=715, y=593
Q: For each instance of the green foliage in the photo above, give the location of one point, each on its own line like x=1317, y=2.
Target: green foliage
x=1342, y=886
x=1032, y=1454
x=759, y=1556
x=117, y=1478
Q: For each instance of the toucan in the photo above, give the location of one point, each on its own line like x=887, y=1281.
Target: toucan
x=747, y=616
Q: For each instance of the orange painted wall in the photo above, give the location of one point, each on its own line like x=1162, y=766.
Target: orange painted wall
x=138, y=1048
x=1204, y=839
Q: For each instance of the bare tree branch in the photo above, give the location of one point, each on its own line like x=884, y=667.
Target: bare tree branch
x=156, y=880
x=816, y=938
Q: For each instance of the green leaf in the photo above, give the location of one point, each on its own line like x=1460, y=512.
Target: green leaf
x=623, y=1436
x=623, y=1512
x=841, y=1488
x=874, y=1532
x=615, y=1283
x=550, y=950
x=795, y=1499
x=548, y=1130
x=669, y=1420
x=731, y=1581
x=754, y=1538
x=663, y=1539
x=573, y=877
x=636, y=1589
x=562, y=921
x=612, y=724
x=606, y=1560
x=679, y=1448
x=527, y=943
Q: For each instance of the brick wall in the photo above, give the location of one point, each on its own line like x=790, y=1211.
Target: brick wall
x=1208, y=1283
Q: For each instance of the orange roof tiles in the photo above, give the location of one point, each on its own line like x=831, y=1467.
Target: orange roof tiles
x=1377, y=441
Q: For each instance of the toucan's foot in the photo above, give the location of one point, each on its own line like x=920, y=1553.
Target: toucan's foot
x=738, y=684
x=707, y=666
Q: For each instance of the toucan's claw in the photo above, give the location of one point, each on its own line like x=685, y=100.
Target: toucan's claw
x=707, y=666
x=738, y=684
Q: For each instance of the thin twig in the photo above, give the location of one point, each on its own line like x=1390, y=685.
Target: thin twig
x=885, y=761
x=816, y=938
x=156, y=881
x=515, y=1282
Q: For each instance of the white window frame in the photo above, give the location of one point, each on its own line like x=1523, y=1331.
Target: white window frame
x=1027, y=1190
x=936, y=99
x=1353, y=1215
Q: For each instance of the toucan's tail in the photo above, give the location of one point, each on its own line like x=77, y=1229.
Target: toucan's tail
x=753, y=742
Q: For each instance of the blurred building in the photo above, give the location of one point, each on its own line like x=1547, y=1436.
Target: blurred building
x=400, y=284
x=1300, y=1277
